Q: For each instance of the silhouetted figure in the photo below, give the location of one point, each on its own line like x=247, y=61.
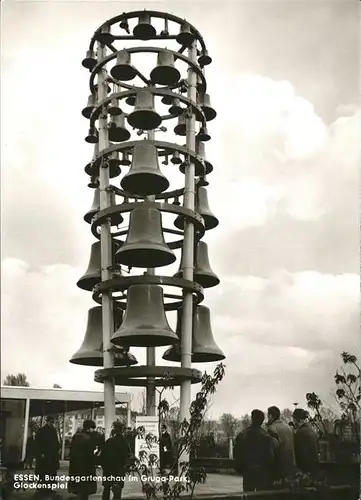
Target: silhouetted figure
x=255, y=455
x=83, y=460
x=30, y=451
x=114, y=456
x=285, y=436
x=306, y=443
x=46, y=449
x=165, y=448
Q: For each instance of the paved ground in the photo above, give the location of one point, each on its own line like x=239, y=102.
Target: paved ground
x=216, y=485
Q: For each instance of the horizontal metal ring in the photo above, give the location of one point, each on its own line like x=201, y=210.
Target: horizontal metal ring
x=164, y=376
x=137, y=50
x=122, y=283
x=155, y=91
x=193, y=217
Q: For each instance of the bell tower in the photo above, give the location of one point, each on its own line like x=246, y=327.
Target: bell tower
x=142, y=222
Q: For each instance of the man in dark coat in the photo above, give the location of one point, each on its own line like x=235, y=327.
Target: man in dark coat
x=306, y=443
x=285, y=437
x=255, y=455
x=83, y=461
x=46, y=450
x=113, y=458
x=165, y=448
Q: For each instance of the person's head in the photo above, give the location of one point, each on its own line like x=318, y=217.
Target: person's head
x=118, y=428
x=273, y=413
x=257, y=418
x=50, y=420
x=299, y=416
x=163, y=428
x=89, y=425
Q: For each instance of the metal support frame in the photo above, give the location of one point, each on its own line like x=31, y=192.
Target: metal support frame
x=106, y=256
x=63, y=433
x=188, y=249
x=26, y=429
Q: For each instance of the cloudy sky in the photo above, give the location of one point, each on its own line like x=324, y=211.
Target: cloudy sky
x=284, y=81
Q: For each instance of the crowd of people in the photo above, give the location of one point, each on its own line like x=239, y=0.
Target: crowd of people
x=264, y=454
x=88, y=450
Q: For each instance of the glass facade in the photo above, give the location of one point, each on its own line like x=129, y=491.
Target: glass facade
x=12, y=422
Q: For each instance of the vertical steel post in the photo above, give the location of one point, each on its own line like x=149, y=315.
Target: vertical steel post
x=151, y=393
x=26, y=429
x=63, y=433
x=188, y=248
x=106, y=254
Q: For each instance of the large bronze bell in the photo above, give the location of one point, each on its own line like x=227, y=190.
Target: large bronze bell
x=203, y=273
x=181, y=128
x=93, y=274
x=90, y=352
x=176, y=109
x=87, y=111
x=204, y=348
x=203, y=135
x=167, y=99
x=209, y=112
x=185, y=37
x=199, y=170
x=145, y=245
x=117, y=130
x=123, y=70
x=144, y=176
x=144, y=29
x=94, y=208
x=202, y=207
x=115, y=218
x=145, y=323
x=210, y=220
x=90, y=61
x=144, y=116
x=165, y=73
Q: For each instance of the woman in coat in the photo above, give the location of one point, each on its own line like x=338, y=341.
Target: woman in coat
x=83, y=461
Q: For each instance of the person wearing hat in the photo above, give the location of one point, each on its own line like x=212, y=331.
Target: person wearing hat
x=83, y=461
x=113, y=458
x=46, y=448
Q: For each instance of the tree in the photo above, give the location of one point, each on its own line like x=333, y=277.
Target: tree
x=19, y=380
x=56, y=386
x=229, y=425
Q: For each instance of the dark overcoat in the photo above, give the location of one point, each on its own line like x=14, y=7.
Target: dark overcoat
x=165, y=450
x=46, y=450
x=306, y=449
x=255, y=457
x=83, y=463
x=114, y=456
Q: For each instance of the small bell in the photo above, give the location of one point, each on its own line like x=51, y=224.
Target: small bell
x=114, y=162
x=124, y=26
x=104, y=36
x=107, y=88
x=113, y=108
x=201, y=151
x=93, y=183
x=123, y=70
x=167, y=99
x=176, y=160
x=144, y=176
x=117, y=130
x=204, y=59
x=144, y=29
x=125, y=159
x=180, y=128
x=93, y=136
x=202, y=207
x=92, y=275
x=145, y=245
x=87, y=111
x=94, y=208
x=90, y=60
x=165, y=73
x=176, y=109
x=130, y=100
x=185, y=37
x=203, y=135
x=208, y=111
x=165, y=31
x=144, y=116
